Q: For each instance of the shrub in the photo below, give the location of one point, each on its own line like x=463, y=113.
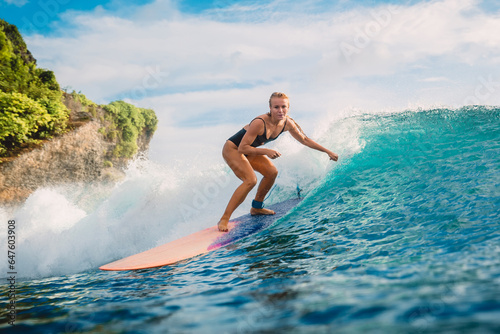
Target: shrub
x=20, y=119
x=31, y=105
x=127, y=123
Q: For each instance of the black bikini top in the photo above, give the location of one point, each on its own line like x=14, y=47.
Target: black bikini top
x=260, y=140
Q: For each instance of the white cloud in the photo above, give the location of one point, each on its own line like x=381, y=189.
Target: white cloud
x=225, y=61
x=18, y=3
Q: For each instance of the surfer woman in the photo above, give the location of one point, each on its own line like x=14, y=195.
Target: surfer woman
x=243, y=155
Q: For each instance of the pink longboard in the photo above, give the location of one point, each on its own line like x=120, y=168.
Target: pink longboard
x=200, y=242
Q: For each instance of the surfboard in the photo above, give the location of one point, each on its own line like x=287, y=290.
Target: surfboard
x=201, y=242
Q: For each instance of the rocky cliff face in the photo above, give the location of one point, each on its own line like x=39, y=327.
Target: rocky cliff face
x=91, y=146
x=81, y=155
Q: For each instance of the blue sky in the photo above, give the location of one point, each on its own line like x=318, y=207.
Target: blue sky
x=44, y=16
x=40, y=16
x=202, y=64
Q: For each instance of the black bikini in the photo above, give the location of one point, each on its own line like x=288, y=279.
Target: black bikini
x=260, y=140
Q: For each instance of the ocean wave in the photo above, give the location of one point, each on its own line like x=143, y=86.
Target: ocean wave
x=440, y=159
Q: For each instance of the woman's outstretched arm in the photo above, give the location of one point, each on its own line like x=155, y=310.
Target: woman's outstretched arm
x=297, y=133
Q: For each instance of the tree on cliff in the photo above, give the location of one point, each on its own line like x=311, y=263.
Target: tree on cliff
x=31, y=108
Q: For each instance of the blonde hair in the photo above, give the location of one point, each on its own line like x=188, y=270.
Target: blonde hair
x=279, y=95
x=284, y=96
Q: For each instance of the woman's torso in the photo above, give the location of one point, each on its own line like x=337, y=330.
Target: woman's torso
x=263, y=138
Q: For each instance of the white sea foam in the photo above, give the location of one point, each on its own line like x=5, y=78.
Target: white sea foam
x=78, y=227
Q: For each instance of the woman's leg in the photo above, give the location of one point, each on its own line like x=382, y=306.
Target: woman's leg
x=244, y=171
x=264, y=166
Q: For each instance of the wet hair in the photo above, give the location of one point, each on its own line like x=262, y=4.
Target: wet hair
x=284, y=96
x=280, y=95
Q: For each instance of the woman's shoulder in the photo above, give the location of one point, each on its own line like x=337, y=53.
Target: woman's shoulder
x=290, y=123
x=264, y=117
x=261, y=119
x=257, y=123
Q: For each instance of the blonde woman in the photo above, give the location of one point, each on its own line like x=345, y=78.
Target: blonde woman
x=243, y=154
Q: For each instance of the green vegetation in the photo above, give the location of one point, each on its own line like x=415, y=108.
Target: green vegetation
x=88, y=105
x=31, y=107
x=127, y=123
x=30, y=98
x=123, y=123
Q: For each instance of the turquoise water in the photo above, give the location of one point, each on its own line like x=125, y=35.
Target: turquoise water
x=401, y=236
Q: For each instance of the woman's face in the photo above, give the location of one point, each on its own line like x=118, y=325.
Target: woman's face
x=279, y=108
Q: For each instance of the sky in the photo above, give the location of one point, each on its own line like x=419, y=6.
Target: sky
x=207, y=66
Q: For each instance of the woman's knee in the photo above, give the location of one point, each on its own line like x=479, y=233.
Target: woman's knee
x=271, y=173
x=250, y=182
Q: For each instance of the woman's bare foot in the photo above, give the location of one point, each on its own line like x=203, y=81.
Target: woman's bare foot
x=222, y=225
x=256, y=212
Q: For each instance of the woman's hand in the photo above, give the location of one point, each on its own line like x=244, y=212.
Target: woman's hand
x=273, y=154
x=333, y=156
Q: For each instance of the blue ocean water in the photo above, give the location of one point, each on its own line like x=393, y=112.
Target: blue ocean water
x=400, y=236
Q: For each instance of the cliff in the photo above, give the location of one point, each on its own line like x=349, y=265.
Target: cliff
x=49, y=137
x=91, y=152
